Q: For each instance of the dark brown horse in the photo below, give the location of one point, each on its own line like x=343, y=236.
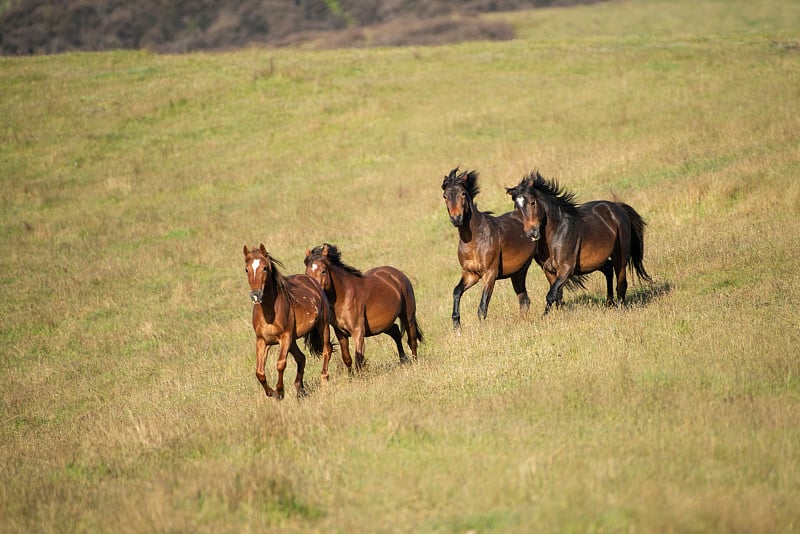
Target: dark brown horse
x=286, y=308
x=489, y=248
x=365, y=304
x=577, y=239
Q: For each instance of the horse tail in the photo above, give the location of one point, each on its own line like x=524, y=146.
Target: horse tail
x=637, y=242
x=409, y=297
x=412, y=320
x=576, y=281
x=313, y=342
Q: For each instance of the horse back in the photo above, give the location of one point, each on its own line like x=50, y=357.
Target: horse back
x=386, y=284
x=603, y=221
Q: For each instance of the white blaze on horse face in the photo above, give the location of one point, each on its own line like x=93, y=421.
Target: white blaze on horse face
x=520, y=202
x=314, y=266
x=256, y=263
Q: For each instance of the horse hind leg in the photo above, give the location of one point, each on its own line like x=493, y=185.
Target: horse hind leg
x=300, y=359
x=414, y=336
x=620, y=268
x=608, y=271
x=395, y=333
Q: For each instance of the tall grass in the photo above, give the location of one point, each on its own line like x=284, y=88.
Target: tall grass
x=131, y=181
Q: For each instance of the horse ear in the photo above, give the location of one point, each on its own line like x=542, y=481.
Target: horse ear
x=325, y=250
x=246, y=252
x=308, y=252
x=263, y=249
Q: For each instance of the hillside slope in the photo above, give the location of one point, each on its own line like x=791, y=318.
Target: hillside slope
x=38, y=26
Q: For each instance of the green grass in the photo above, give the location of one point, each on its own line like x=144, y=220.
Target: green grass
x=130, y=182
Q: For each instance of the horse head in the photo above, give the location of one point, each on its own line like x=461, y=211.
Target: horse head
x=459, y=191
x=526, y=203
x=258, y=266
x=318, y=265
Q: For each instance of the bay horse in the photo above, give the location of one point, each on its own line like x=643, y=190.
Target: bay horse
x=578, y=239
x=286, y=308
x=489, y=248
x=365, y=303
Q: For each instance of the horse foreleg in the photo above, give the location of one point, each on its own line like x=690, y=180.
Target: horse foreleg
x=358, y=340
x=468, y=280
x=518, y=281
x=488, y=288
x=281, y=365
x=300, y=358
x=457, y=292
x=344, y=346
x=261, y=358
x=555, y=294
x=394, y=332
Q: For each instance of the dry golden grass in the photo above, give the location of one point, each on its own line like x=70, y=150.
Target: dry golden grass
x=131, y=181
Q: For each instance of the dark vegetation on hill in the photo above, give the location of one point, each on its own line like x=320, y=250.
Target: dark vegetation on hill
x=174, y=26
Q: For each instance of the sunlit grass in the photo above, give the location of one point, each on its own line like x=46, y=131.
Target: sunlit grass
x=131, y=181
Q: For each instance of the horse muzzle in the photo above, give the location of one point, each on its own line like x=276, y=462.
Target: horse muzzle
x=256, y=296
x=457, y=220
x=534, y=234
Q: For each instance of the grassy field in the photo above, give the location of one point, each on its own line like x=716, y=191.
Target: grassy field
x=131, y=181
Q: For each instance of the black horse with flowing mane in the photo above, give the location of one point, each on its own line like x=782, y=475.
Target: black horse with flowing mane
x=489, y=248
x=577, y=239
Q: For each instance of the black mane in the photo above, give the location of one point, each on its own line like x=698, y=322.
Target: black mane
x=467, y=179
x=332, y=257
x=534, y=184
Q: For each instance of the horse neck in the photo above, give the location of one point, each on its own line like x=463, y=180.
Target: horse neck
x=474, y=223
x=339, y=276
x=557, y=220
x=271, y=300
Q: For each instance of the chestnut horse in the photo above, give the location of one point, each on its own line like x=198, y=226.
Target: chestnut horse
x=577, y=239
x=489, y=248
x=365, y=304
x=286, y=308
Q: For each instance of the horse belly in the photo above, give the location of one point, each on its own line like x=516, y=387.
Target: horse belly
x=306, y=317
x=599, y=237
x=380, y=318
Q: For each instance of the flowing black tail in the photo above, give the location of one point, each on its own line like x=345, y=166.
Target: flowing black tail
x=313, y=342
x=637, y=243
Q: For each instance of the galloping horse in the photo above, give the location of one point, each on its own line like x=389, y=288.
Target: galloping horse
x=577, y=239
x=286, y=308
x=365, y=304
x=489, y=247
